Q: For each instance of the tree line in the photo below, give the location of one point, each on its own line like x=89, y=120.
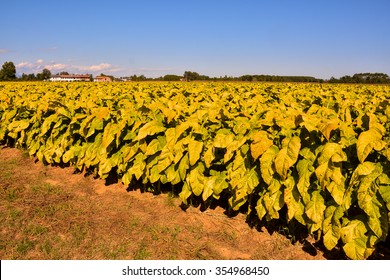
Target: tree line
x=8, y=73
x=363, y=78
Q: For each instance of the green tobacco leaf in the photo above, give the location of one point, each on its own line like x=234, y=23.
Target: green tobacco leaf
x=328, y=126
x=138, y=167
x=178, y=150
x=357, y=248
x=150, y=128
x=96, y=124
x=386, y=153
x=292, y=198
x=46, y=125
x=172, y=174
x=352, y=229
x=267, y=164
x=165, y=159
x=208, y=188
x=109, y=134
x=378, y=219
x=184, y=165
x=348, y=135
x=102, y=113
x=126, y=178
x=214, y=185
x=153, y=147
x=168, y=113
x=220, y=184
x=374, y=124
x=154, y=174
x=244, y=182
x=367, y=186
x=329, y=171
x=232, y=148
x=336, y=189
x=85, y=124
x=251, y=179
x=17, y=126
x=307, y=154
x=185, y=193
x=305, y=170
x=170, y=136
x=194, y=150
x=209, y=156
x=333, y=152
x=369, y=203
x=195, y=179
x=260, y=208
x=368, y=141
x=105, y=167
x=68, y=155
x=274, y=200
x=316, y=207
x=331, y=226
x=365, y=168
x=384, y=189
x=260, y=144
x=353, y=235
x=287, y=156
x=222, y=140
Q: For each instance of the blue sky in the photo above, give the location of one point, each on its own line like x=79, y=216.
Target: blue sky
x=215, y=38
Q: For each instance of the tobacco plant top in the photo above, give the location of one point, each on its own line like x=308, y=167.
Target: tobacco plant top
x=319, y=153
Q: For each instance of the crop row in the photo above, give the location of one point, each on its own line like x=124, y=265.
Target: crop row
x=320, y=151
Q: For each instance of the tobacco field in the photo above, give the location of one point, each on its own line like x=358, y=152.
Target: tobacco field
x=318, y=154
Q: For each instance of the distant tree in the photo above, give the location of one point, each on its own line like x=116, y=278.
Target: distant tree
x=138, y=78
x=28, y=77
x=8, y=71
x=64, y=73
x=363, y=78
x=191, y=76
x=204, y=78
x=171, y=77
x=44, y=75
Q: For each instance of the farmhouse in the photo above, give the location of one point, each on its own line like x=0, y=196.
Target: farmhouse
x=102, y=79
x=71, y=78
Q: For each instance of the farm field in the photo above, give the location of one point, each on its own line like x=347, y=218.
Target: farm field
x=312, y=158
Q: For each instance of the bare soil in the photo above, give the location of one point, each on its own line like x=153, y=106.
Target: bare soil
x=51, y=212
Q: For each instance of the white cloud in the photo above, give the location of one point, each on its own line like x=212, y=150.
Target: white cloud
x=55, y=67
x=24, y=65
x=3, y=51
x=95, y=68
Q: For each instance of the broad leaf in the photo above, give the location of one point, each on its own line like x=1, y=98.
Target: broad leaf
x=150, y=128
x=260, y=144
x=287, y=156
x=368, y=141
x=316, y=207
x=194, y=150
x=267, y=164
